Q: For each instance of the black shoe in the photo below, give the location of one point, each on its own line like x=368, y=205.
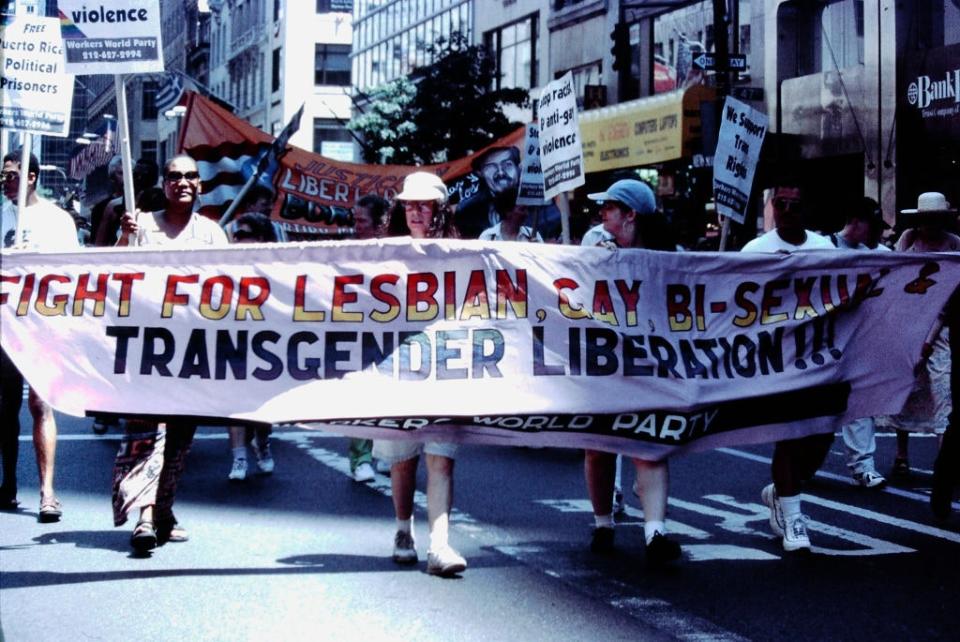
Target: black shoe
x=602, y=540
x=144, y=537
x=662, y=550
x=8, y=499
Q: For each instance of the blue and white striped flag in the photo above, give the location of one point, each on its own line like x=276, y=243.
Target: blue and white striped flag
x=169, y=92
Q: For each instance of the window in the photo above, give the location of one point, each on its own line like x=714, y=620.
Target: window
x=514, y=48
x=149, y=105
x=331, y=65
x=819, y=37
x=332, y=140
x=342, y=6
x=148, y=149
x=275, y=79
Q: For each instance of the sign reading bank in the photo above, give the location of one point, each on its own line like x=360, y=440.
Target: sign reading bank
x=111, y=36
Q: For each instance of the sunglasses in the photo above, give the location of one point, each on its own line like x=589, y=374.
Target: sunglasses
x=244, y=235
x=176, y=177
x=786, y=203
x=8, y=176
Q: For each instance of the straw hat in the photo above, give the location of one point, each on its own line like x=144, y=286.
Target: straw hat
x=423, y=186
x=931, y=203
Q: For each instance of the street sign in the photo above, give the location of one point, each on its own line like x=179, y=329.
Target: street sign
x=747, y=93
x=708, y=61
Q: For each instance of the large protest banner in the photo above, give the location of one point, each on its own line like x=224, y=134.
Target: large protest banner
x=314, y=193
x=630, y=350
x=35, y=92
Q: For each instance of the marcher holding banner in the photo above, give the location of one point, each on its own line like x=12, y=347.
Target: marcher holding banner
x=795, y=461
x=47, y=228
x=424, y=201
x=152, y=455
x=627, y=209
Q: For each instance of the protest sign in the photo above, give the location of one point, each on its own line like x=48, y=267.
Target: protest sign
x=631, y=350
x=561, y=152
x=35, y=92
x=530, y=191
x=738, y=150
x=118, y=37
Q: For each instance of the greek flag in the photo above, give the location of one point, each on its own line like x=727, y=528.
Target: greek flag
x=169, y=92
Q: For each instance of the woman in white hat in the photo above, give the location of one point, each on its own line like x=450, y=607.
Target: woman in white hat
x=928, y=407
x=421, y=213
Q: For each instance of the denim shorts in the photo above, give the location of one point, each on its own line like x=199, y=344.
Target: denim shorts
x=395, y=451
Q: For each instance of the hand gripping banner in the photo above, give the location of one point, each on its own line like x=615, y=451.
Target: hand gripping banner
x=633, y=351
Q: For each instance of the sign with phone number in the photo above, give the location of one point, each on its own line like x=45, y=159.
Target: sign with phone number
x=123, y=37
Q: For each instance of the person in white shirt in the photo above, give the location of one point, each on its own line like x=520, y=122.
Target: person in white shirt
x=47, y=228
x=795, y=461
x=511, y=228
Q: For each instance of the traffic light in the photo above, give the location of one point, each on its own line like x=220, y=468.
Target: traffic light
x=621, y=46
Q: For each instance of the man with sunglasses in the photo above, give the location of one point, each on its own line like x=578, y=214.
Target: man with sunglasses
x=47, y=228
x=795, y=461
x=152, y=454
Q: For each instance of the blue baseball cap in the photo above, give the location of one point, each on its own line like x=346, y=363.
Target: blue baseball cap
x=636, y=195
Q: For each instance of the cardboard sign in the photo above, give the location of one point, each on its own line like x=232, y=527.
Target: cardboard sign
x=561, y=152
x=36, y=93
x=738, y=149
x=116, y=37
x=530, y=191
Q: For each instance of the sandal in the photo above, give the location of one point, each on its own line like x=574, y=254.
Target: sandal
x=169, y=530
x=144, y=537
x=901, y=468
x=50, y=510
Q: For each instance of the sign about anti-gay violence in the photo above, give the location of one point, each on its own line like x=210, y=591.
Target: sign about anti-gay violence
x=626, y=350
x=561, y=151
x=35, y=92
x=111, y=37
x=742, y=131
x=530, y=191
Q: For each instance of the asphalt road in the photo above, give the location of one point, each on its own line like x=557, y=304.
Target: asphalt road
x=305, y=554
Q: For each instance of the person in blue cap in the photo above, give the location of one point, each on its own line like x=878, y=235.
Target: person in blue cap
x=630, y=218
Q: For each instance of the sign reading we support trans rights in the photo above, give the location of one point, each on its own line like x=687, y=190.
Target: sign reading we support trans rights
x=635, y=351
x=111, y=37
x=35, y=93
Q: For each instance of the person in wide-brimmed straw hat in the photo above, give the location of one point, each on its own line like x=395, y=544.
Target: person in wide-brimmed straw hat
x=421, y=208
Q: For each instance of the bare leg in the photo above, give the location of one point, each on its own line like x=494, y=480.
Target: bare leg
x=403, y=483
x=600, y=471
x=439, y=498
x=652, y=486
x=237, y=436
x=44, y=441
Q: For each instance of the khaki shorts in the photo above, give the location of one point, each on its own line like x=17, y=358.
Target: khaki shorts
x=394, y=451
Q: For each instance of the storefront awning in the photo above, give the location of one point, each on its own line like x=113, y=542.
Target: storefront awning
x=645, y=131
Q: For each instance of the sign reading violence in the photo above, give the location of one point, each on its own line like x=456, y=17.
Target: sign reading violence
x=122, y=36
x=629, y=350
x=561, y=152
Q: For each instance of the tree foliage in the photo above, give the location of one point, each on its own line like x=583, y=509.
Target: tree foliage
x=448, y=110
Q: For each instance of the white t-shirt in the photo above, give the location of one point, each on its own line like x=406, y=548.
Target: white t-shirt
x=45, y=227
x=595, y=235
x=198, y=231
x=525, y=233
x=771, y=242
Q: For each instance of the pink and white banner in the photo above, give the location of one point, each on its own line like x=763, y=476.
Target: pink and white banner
x=627, y=350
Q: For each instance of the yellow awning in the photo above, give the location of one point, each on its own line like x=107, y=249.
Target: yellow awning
x=643, y=132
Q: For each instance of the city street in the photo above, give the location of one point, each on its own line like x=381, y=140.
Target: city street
x=305, y=554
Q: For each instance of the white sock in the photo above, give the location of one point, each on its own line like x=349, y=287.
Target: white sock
x=603, y=521
x=651, y=528
x=790, y=507
x=240, y=453
x=405, y=525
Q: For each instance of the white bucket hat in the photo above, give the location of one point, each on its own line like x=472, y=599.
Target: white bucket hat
x=423, y=186
x=931, y=203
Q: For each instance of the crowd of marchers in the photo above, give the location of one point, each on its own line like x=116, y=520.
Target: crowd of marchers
x=152, y=456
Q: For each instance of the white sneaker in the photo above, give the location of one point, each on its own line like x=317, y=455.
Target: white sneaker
x=265, y=460
x=769, y=497
x=445, y=562
x=383, y=467
x=239, y=470
x=364, y=473
x=869, y=479
x=795, y=536
x=404, y=548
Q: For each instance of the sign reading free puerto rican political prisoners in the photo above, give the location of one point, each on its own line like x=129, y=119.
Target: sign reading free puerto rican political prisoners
x=35, y=93
x=642, y=352
x=111, y=37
